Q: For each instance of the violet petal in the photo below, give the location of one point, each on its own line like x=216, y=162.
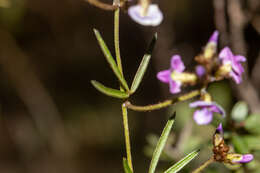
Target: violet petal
x=164, y=76
x=175, y=86
x=246, y=158
x=214, y=37
x=203, y=116
x=236, y=77
x=240, y=58
x=220, y=129
x=200, y=70
x=153, y=17
x=200, y=103
x=177, y=64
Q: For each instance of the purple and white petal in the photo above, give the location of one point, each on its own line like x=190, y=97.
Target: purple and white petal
x=153, y=17
x=164, y=76
x=200, y=104
x=217, y=108
x=200, y=70
x=246, y=158
x=220, y=129
x=226, y=55
x=214, y=37
x=177, y=64
x=175, y=86
x=240, y=58
x=203, y=116
x=236, y=77
x=239, y=158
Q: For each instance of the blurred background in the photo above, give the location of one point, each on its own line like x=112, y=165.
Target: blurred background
x=53, y=120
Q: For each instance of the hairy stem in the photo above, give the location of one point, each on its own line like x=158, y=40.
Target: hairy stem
x=127, y=137
x=204, y=165
x=164, y=104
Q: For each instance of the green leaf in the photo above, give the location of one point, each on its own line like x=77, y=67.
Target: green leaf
x=161, y=143
x=109, y=91
x=127, y=168
x=110, y=60
x=183, y=162
x=252, y=123
x=143, y=66
x=239, y=144
x=239, y=111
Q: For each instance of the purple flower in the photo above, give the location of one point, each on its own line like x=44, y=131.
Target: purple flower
x=214, y=37
x=153, y=16
x=204, y=114
x=211, y=47
x=220, y=129
x=232, y=64
x=239, y=158
x=165, y=76
x=200, y=70
x=221, y=150
x=245, y=158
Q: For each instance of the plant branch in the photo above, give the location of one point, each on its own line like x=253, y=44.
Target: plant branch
x=102, y=5
x=127, y=136
x=204, y=165
x=164, y=104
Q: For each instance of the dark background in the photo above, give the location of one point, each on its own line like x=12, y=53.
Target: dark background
x=53, y=120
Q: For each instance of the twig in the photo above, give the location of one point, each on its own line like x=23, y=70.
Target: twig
x=204, y=165
x=102, y=5
x=127, y=136
x=163, y=104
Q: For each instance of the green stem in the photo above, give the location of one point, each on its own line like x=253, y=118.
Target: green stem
x=116, y=39
x=204, y=165
x=127, y=137
x=162, y=104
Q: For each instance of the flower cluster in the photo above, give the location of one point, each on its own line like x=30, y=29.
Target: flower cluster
x=211, y=67
x=221, y=150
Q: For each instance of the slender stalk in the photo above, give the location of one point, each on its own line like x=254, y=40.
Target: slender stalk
x=116, y=39
x=162, y=104
x=127, y=137
x=204, y=165
x=102, y=5
x=119, y=64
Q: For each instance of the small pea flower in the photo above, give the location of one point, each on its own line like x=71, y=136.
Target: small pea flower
x=204, y=114
x=231, y=65
x=221, y=150
x=200, y=71
x=146, y=14
x=211, y=47
x=176, y=76
x=209, y=51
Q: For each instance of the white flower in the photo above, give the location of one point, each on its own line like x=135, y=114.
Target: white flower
x=153, y=16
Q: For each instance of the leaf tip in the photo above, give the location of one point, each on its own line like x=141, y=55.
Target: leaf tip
x=152, y=44
x=93, y=82
x=95, y=31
